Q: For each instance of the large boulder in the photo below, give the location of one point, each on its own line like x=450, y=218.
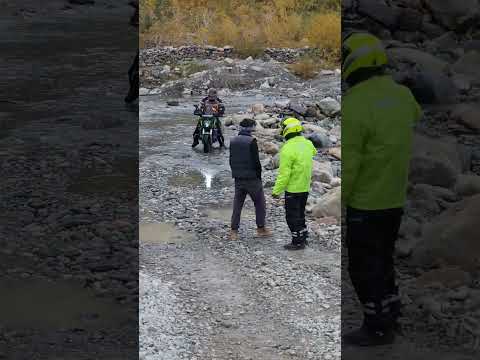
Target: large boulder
x=432, y=87
x=468, y=115
x=452, y=238
x=436, y=161
x=336, y=152
x=427, y=201
x=453, y=13
x=379, y=11
x=329, y=205
x=424, y=61
x=319, y=140
x=269, y=122
x=329, y=107
x=273, y=163
x=468, y=65
x=424, y=74
x=322, y=172
x=282, y=103
x=298, y=108
x=317, y=135
x=270, y=148
x=468, y=185
x=258, y=109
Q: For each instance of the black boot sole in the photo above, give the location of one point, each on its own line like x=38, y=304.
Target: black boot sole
x=292, y=247
x=368, y=341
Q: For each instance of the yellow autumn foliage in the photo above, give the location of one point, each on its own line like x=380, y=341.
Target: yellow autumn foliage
x=247, y=25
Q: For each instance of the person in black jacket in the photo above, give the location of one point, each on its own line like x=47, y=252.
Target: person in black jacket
x=247, y=172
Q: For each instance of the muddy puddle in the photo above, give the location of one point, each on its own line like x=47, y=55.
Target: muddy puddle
x=42, y=304
x=191, y=178
x=90, y=181
x=102, y=185
x=208, y=178
x=224, y=212
x=162, y=233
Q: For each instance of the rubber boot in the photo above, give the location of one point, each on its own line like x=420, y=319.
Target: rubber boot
x=296, y=244
x=221, y=140
x=195, y=141
x=264, y=232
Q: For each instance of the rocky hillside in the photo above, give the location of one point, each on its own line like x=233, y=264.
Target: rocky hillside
x=434, y=48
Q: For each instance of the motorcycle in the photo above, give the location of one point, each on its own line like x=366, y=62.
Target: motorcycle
x=208, y=130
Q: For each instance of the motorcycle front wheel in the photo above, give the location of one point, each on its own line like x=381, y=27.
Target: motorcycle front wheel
x=207, y=144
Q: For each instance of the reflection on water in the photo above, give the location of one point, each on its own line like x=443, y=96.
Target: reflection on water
x=208, y=179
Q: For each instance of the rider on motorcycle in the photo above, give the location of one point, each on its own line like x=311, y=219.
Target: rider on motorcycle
x=210, y=105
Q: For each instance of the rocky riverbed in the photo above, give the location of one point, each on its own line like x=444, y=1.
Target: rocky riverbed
x=433, y=48
x=68, y=153
x=201, y=295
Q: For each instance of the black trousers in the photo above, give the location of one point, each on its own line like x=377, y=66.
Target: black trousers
x=295, y=214
x=133, y=78
x=254, y=188
x=371, y=237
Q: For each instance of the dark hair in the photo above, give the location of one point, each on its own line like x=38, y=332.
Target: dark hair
x=292, y=135
x=247, y=123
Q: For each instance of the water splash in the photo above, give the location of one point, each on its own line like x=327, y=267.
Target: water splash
x=208, y=180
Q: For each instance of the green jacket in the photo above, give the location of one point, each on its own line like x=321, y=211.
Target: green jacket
x=296, y=161
x=378, y=116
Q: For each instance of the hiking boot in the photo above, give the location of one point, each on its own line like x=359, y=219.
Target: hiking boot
x=295, y=246
x=233, y=235
x=264, y=232
x=368, y=337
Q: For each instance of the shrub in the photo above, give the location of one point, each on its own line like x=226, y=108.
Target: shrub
x=306, y=68
x=324, y=32
x=247, y=25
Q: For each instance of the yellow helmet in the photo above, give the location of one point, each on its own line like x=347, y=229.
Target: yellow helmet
x=361, y=50
x=290, y=126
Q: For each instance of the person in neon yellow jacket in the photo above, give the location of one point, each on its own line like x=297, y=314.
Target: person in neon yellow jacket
x=294, y=178
x=378, y=116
